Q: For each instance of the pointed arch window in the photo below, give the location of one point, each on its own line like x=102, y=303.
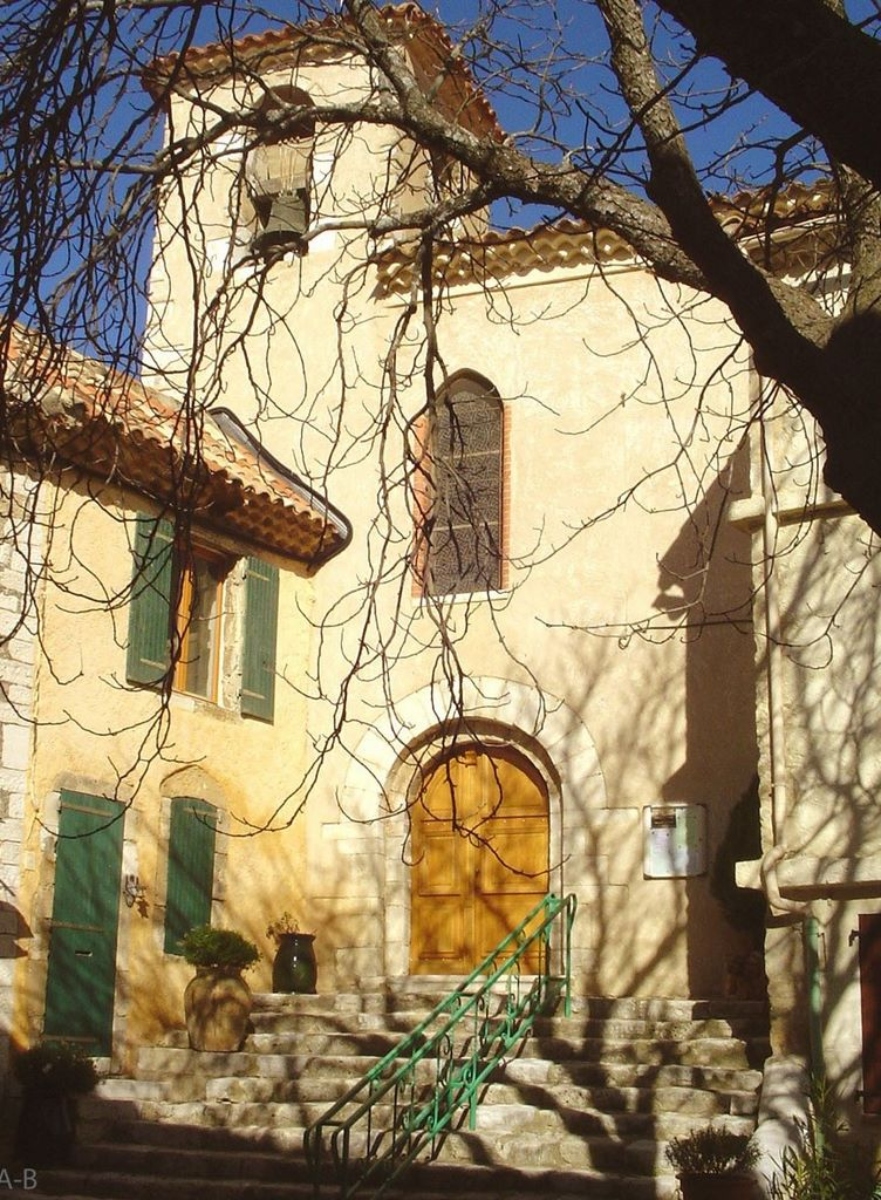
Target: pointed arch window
x=279, y=170
x=462, y=530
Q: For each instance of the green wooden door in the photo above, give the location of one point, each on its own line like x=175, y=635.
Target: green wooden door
x=82, y=941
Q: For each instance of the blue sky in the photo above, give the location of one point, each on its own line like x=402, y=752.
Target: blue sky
x=582, y=108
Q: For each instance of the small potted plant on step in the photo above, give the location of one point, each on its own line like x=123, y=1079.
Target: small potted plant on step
x=713, y=1163
x=52, y=1075
x=218, y=1002
x=294, y=968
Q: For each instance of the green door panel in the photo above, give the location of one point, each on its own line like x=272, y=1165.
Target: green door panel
x=82, y=941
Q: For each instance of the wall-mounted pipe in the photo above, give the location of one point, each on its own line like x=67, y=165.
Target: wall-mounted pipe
x=815, y=996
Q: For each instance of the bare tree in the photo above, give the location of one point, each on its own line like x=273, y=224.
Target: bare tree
x=624, y=129
x=717, y=174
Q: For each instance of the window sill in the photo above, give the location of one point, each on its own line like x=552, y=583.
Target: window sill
x=200, y=705
x=450, y=598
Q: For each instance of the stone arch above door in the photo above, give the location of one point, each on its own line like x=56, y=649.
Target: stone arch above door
x=389, y=756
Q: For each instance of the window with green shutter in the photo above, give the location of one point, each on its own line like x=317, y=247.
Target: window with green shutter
x=261, y=634
x=183, y=591
x=149, y=631
x=190, y=869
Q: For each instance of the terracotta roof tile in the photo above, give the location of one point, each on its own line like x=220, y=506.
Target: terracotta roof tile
x=426, y=39
x=788, y=216
x=68, y=409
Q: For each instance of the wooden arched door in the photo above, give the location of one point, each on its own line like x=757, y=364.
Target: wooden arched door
x=480, y=857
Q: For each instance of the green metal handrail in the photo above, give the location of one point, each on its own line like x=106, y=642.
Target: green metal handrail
x=409, y=1100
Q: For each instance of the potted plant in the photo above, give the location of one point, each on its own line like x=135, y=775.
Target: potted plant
x=294, y=968
x=52, y=1075
x=713, y=1163
x=218, y=1002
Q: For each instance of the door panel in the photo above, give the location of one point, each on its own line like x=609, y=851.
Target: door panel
x=480, y=857
x=82, y=941
x=443, y=934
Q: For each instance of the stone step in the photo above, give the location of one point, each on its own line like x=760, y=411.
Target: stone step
x=397, y=1014
x=399, y=1007
x=221, y=1140
x=375, y=1043
x=600, y=1155
x=267, y=1079
x=481, y=1146
x=189, y=1162
x=640, y=1075
x=663, y=1009
x=615, y=1029
x=512, y=1084
x=698, y=1050
x=621, y=1103
x=555, y=1114
x=559, y=1121
x=180, y=1170
x=156, y=1063
x=284, y=1123
x=437, y=1182
x=372, y=1034
x=123, y=1185
x=393, y=1025
x=586, y=1109
x=419, y=994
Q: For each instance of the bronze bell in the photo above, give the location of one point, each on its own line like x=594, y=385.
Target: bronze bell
x=285, y=224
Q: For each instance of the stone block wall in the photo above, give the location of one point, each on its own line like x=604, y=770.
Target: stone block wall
x=21, y=540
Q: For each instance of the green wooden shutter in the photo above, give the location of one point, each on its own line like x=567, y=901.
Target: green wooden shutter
x=190, y=869
x=149, y=612
x=261, y=634
x=81, y=981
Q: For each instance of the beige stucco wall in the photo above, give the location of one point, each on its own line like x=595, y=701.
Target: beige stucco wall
x=820, y=742
x=625, y=406
x=96, y=734
x=663, y=728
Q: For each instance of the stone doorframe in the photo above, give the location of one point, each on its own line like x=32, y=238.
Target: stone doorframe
x=388, y=763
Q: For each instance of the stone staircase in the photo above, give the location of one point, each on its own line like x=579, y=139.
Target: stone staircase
x=584, y=1110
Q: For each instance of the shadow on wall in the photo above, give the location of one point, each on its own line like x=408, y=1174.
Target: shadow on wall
x=705, y=584
x=13, y=927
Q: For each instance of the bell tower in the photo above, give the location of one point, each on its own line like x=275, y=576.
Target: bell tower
x=287, y=187
x=278, y=171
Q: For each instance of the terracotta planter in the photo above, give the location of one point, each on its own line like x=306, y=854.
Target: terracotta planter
x=294, y=968
x=46, y=1132
x=217, y=1005
x=717, y=1187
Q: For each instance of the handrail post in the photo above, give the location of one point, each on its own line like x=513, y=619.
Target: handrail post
x=493, y=1027
x=568, y=921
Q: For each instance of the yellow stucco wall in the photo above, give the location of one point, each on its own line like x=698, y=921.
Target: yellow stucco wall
x=96, y=734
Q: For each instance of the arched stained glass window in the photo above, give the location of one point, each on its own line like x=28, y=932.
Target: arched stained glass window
x=463, y=534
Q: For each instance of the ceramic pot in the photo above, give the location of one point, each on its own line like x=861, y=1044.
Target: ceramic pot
x=717, y=1187
x=294, y=968
x=217, y=1006
x=46, y=1131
